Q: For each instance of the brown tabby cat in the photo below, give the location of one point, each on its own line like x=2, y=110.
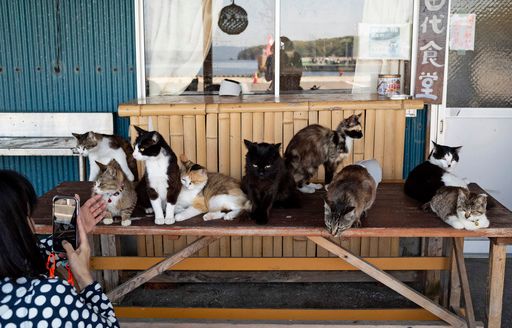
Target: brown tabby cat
x=349, y=196
x=460, y=208
x=316, y=145
x=203, y=191
x=117, y=191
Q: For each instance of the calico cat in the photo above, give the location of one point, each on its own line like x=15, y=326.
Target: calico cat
x=117, y=191
x=102, y=148
x=315, y=145
x=426, y=178
x=350, y=194
x=266, y=182
x=460, y=208
x=203, y=191
x=162, y=173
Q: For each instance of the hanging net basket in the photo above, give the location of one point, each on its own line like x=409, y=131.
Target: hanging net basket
x=233, y=19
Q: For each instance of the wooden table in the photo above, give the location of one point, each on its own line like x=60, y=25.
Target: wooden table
x=393, y=215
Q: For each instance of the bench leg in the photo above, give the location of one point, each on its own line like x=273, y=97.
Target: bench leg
x=391, y=282
x=160, y=267
x=495, y=282
x=458, y=244
x=81, y=168
x=108, y=248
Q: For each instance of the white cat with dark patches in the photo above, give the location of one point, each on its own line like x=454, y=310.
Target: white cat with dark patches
x=103, y=148
x=162, y=173
x=425, y=179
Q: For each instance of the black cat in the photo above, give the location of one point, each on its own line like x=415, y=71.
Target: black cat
x=426, y=178
x=267, y=182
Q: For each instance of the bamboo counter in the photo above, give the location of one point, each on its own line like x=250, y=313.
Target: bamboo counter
x=211, y=129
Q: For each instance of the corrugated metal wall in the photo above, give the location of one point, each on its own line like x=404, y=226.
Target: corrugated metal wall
x=415, y=133
x=93, y=45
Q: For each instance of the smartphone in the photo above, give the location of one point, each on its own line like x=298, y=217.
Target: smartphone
x=65, y=214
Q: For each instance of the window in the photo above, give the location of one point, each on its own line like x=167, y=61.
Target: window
x=190, y=46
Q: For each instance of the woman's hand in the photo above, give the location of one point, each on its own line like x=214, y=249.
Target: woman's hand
x=79, y=258
x=92, y=212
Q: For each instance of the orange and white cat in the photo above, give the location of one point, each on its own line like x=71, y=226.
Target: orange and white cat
x=215, y=194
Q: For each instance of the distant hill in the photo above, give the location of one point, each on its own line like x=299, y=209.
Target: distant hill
x=339, y=47
x=223, y=53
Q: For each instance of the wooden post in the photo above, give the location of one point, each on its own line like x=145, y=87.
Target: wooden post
x=458, y=244
x=390, y=282
x=496, y=282
x=108, y=248
x=156, y=269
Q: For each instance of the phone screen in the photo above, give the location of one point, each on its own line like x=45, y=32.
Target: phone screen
x=65, y=214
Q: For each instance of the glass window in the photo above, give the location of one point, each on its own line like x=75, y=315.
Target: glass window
x=192, y=45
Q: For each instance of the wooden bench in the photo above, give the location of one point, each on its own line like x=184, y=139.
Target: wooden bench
x=49, y=134
x=393, y=215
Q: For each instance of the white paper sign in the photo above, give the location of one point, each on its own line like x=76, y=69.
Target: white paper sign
x=462, y=32
x=384, y=41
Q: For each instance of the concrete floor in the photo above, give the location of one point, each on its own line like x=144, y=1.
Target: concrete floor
x=309, y=295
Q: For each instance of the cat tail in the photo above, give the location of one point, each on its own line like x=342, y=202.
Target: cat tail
x=426, y=207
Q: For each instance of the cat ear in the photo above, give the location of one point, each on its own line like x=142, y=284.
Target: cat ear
x=348, y=209
x=102, y=167
x=76, y=135
x=248, y=144
x=359, y=115
x=155, y=137
x=277, y=146
x=183, y=158
x=114, y=163
x=140, y=131
x=457, y=149
x=91, y=135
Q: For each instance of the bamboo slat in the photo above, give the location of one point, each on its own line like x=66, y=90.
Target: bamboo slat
x=235, y=148
x=201, y=156
x=224, y=159
x=212, y=142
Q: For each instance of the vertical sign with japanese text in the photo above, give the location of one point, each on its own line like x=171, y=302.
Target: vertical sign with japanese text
x=433, y=21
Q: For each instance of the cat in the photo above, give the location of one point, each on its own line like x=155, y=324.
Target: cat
x=315, y=145
x=460, y=208
x=203, y=191
x=350, y=194
x=426, y=178
x=117, y=191
x=162, y=173
x=102, y=148
x=266, y=181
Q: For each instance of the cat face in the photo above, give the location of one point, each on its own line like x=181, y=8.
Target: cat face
x=262, y=159
x=444, y=156
x=351, y=126
x=338, y=217
x=471, y=207
x=110, y=179
x=85, y=142
x=147, y=145
x=194, y=177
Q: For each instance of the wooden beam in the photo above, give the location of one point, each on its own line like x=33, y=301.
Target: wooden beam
x=455, y=286
x=270, y=264
x=274, y=314
x=495, y=283
x=158, y=268
x=458, y=244
x=391, y=282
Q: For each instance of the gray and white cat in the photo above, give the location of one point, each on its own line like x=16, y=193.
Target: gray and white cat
x=117, y=191
x=350, y=194
x=460, y=208
x=102, y=148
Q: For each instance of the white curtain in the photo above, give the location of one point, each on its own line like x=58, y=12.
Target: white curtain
x=175, y=42
x=380, y=12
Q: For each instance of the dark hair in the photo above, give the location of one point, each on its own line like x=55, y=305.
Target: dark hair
x=20, y=255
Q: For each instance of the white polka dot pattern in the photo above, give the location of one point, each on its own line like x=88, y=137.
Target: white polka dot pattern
x=53, y=302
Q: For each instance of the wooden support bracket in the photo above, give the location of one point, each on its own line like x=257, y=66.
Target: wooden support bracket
x=158, y=268
x=391, y=282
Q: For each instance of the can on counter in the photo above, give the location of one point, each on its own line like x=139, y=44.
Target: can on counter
x=388, y=84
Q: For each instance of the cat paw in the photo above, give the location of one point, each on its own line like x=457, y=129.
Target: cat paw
x=306, y=190
x=126, y=223
x=213, y=216
x=230, y=216
x=179, y=217
x=159, y=221
x=108, y=221
x=170, y=220
x=130, y=177
x=457, y=225
x=471, y=226
x=148, y=210
x=316, y=186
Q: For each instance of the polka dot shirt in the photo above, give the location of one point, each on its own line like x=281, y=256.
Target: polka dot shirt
x=52, y=302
